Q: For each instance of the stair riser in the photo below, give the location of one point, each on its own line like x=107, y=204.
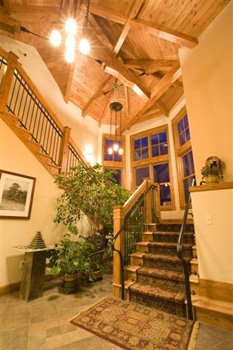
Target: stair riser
x=147, y=237
x=142, y=249
x=136, y=261
x=166, y=284
x=130, y=275
x=213, y=317
x=160, y=264
x=172, y=251
x=174, y=227
x=158, y=303
x=171, y=238
x=194, y=268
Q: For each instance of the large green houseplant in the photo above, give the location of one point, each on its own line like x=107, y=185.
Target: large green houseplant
x=72, y=259
x=90, y=191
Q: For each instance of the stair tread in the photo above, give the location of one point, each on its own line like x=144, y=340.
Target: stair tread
x=194, y=261
x=172, y=275
x=157, y=292
x=193, y=278
x=212, y=304
x=142, y=243
x=170, y=244
x=172, y=233
x=137, y=255
x=132, y=268
x=128, y=284
x=162, y=257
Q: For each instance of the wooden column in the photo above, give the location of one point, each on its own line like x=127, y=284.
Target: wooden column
x=65, y=149
x=118, y=218
x=157, y=201
x=7, y=81
x=148, y=203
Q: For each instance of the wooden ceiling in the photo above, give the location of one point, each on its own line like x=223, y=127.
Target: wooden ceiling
x=133, y=42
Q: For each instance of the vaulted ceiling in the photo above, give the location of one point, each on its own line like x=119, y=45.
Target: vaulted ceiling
x=133, y=43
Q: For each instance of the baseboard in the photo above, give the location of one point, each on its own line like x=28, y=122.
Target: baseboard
x=175, y=221
x=215, y=290
x=14, y=287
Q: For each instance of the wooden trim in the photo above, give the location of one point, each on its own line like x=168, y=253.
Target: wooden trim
x=64, y=148
x=9, y=288
x=212, y=187
x=216, y=290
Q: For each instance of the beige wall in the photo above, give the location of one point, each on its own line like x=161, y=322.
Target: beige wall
x=15, y=157
x=207, y=78
x=214, y=240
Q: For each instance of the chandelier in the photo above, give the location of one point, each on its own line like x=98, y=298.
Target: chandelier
x=70, y=29
x=115, y=117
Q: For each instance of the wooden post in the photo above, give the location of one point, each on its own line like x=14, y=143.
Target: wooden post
x=7, y=81
x=157, y=201
x=65, y=149
x=118, y=217
x=148, y=202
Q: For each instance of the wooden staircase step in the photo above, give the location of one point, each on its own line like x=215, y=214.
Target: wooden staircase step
x=193, y=278
x=131, y=272
x=194, y=265
x=127, y=285
x=216, y=312
x=136, y=259
x=142, y=247
x=147, y=236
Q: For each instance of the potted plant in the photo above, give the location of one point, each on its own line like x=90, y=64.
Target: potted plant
x=72, y=259
x=212, y=171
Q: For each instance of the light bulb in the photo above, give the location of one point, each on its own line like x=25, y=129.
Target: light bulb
x=110, y=150
x=70, y=42
x=115, y=146
x=120, y=151
x=69, y=55
x=71, y=26
x=55, y=37
x=84, y=46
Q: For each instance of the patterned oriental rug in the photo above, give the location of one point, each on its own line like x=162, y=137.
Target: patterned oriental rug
x=136, y=327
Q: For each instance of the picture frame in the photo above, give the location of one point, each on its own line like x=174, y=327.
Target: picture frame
x=16, y=195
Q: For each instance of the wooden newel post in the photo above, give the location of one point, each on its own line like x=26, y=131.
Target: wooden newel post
x=118, y=217
x=148, y=200
x=7, y=80
x=65, y=149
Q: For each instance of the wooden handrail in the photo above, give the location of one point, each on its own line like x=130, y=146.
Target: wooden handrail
x=135, y=196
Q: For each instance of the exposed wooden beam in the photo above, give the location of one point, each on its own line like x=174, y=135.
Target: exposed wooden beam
x=126, y=105
x=161, y=106
x=151, y=28
x=107, y=13
x=135, y=8
x=165, y=33
x=148, y=64
x=156, y=93
x=98, y=93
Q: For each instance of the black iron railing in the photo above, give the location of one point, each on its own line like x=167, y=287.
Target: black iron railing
x=34, y=117
x=73, y=158
x=184, y=261
x=133, y=226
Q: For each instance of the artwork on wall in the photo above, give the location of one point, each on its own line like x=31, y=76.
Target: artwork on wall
x=16, y=195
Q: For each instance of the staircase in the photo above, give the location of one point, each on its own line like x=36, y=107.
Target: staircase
x=27, y=113
x=155, y=276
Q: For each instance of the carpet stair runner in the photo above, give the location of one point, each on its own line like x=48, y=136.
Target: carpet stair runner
x=159, y=281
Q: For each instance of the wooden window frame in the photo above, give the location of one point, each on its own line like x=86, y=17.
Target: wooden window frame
x=150, y=161
x=111, y=164
x=180, y=151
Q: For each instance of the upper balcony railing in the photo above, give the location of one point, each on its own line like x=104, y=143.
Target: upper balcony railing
x=20, y=97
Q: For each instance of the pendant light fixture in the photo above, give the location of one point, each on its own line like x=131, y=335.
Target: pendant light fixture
x=115, y=117
x=70, y=30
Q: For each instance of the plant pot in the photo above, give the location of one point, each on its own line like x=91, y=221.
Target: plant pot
x=70, y=283
x=211, y=179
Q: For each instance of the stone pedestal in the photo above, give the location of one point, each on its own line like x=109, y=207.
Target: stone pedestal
x=32, y=281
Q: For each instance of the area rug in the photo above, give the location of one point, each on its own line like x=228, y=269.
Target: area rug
x=136, y=327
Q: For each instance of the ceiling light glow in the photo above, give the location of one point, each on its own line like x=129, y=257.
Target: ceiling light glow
x=55, y=37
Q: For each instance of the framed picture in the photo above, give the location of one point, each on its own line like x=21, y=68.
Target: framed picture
x=16, y=195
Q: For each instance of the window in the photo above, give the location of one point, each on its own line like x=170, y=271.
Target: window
x=141, y=173
x=161, y=175
x=114, y=161
x=141, y=148
x=184, y=155
x=117, y=176
x=150, y=158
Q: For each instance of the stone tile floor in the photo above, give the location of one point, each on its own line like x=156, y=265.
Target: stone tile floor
x=44, y=323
